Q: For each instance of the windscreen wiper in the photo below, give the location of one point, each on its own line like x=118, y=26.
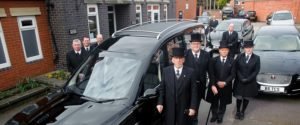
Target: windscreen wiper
x=101, y=100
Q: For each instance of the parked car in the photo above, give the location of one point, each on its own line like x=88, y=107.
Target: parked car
x=227, y=12
x=251, y=15
x=204, y=20
x=283, y=17
x=269, y=18
x=117, y=84
x=279, y=51
x=242, y=14
x=243, y=27
x=206, y=13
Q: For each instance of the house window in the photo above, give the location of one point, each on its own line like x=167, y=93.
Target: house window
x=153, y=12
x=138, y=11
x=4, y=58
x=30, y=38
x=93, y=21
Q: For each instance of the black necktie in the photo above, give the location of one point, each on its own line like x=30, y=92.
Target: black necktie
x=247, y=58
x=177, y=74
x=223, y=61
x=196, y=57
x=77, y=54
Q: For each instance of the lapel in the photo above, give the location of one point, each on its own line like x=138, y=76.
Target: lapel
x=171, y=78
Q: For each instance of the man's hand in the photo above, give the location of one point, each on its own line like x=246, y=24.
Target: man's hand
x=192, y=112
x=159, y=108
x=214, y=90
x=221, y=84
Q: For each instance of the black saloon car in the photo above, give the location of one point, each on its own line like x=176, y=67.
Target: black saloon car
x=243, y=27
x=117, y=83
x=279, y=51
x=251, y=15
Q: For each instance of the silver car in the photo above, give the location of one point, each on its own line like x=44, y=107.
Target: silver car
x=283, y=17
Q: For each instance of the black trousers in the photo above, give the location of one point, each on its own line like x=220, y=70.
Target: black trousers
x=218, y=108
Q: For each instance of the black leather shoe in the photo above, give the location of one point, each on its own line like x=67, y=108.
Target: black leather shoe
x=213, y=119
x=242, y=116
x=219, y=121
x=237, y=115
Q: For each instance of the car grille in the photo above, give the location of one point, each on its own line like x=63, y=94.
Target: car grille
x=274, y=79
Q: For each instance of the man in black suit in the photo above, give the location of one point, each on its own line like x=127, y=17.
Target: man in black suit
x=75, y=57
x=99, y=40
x=245, y=85
x=221, y=74
x=231, y=38
x=87, y=45
x=213, y=22
x=198, y=60
x=178, y=92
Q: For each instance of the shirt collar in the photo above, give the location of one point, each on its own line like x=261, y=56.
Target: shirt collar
x=198, y=53
x=180, y=69
x=77, y=51
x=249, y=55
x=222, y=58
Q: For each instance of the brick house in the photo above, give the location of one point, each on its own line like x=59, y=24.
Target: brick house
x=72, y=19
x=41, y=42
x=264, y=7
x=25, y=41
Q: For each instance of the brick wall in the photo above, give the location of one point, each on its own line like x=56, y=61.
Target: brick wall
x=66, y=15
x=264, y=7
x=19, y=68
x=189, y=13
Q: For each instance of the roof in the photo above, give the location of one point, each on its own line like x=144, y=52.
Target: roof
x=277, y=30
x=235, y=20
x=156, y=29
x=283, y=11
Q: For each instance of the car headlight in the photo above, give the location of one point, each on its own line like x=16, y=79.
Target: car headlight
x=298, y=79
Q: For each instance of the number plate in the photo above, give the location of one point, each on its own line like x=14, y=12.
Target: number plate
x=271, y=89
x=252, y=17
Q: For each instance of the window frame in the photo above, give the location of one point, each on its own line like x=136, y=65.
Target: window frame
x=37, y=36
x=140, y=12
x=97, y=19
x=7, y=64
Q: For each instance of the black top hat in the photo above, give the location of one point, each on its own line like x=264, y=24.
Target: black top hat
x=178, y=52
x=223, y=44
x=196, y=37
x=248, y=43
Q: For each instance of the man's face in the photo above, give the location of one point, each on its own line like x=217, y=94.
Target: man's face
x=230, y=27
x=86, y=42
x=99, y=38
x=223, y=52
x=195, y=46
x=248, y=50
x=178, y=61
x=76, y=46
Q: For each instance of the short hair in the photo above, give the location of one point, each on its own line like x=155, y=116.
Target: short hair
x=76, y=41
x=86, y=37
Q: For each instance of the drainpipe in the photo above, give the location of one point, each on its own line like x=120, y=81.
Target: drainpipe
x=49, y=7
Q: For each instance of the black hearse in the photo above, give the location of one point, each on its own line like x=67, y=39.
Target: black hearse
x=116, y=84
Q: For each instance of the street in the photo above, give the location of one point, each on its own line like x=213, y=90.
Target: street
x=262, y=110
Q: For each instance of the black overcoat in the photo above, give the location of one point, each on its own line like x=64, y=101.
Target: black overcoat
x=176, y=96
x=247, y=71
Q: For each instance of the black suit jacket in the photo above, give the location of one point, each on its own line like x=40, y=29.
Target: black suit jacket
x=88, y=52
x=178, y=95
x=200, y=67
x=248, y=72
x=221, y=72
x=232, y=41
x=74, y=61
